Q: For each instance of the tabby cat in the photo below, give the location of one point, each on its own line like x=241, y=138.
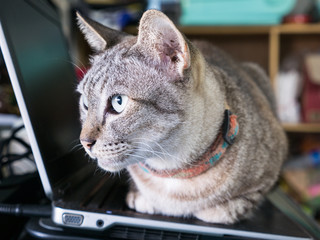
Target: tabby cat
x=196, y=130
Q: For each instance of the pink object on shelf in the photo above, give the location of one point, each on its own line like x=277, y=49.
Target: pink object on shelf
x=311, y=91
x=314, y=190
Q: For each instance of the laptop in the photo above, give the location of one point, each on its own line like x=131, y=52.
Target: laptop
x=83, y=197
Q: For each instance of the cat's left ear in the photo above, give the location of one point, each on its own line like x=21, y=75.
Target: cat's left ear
x=158, y=33
x=97, y=35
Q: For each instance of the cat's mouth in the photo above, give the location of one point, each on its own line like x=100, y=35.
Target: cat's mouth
x=113, y=157
x=110, y=156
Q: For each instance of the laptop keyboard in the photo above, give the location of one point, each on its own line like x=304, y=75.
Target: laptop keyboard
x=97, y=192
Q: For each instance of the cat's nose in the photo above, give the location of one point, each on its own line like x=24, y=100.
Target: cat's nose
x=87, y=143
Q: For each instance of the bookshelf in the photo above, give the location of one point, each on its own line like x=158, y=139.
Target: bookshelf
x=266, y=45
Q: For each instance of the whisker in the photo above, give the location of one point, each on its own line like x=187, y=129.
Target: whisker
x=144, y=143
x=82, y=64
x=163, y=151
x=76, y=147
x=151, y=150
x=79, y=68
x=134, y=155
x=74, y=144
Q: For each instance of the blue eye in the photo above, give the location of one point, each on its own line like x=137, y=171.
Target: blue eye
x=119, y=102
x=118, y=99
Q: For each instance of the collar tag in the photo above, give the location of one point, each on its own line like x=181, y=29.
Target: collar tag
x=226, y=127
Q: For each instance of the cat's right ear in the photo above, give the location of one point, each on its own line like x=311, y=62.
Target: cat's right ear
x=159, y=35
x=97, y=35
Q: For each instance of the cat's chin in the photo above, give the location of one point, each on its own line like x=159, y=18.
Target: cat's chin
x=112, y=166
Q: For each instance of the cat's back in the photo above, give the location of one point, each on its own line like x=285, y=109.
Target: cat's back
x=243, y=74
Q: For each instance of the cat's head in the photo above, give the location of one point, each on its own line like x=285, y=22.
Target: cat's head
x=142, y=100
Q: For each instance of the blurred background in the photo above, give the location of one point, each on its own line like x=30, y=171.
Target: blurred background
x=281, y=36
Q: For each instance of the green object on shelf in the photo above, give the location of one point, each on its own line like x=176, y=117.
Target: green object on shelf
x=234, y=12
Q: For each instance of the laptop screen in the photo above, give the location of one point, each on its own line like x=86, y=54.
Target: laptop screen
x=47, y=81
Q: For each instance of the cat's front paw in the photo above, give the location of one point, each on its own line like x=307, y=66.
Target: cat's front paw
x=215, y=215
x=231, y=211
x=136, y=201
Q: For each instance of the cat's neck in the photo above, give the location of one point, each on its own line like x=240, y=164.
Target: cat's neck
x=213, y=154
x=203, y=122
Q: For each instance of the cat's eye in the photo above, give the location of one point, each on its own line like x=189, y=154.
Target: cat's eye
x=84, y=101
x=119, y=102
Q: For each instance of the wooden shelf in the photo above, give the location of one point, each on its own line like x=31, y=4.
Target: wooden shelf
x=302, y=127
x=242, y=30
x=224, y=30
x=298, y=28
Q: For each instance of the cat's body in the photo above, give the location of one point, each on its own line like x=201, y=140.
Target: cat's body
x=175, y=109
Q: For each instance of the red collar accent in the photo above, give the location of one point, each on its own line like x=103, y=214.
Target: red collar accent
x=225, y=138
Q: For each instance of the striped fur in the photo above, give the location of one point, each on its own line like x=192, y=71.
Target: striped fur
x=177, y=93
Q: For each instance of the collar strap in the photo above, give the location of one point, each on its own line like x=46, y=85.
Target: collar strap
x=225, y=138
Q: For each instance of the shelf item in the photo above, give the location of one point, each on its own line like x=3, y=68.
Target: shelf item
x=311, y=90
x=245, y=12
x=302, y=127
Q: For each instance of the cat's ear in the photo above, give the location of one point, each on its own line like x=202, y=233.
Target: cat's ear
x=97, y=35
x=158, y=33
